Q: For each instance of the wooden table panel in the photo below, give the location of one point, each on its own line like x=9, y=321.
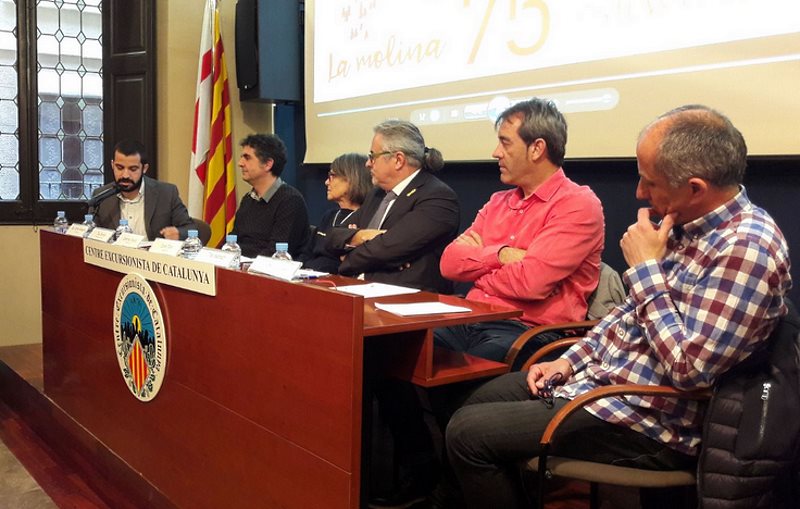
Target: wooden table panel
x=261, y=400
x=261, y=403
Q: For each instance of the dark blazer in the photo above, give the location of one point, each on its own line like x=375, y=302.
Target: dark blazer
x=162, y=207
x=420, y=223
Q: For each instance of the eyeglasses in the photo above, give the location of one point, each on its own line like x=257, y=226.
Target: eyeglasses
x=371, y=156
x=546, y=392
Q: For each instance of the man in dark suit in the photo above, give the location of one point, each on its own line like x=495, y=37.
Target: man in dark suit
x=152, y=208
x=398, y=235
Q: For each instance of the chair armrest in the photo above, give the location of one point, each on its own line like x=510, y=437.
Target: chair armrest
x=559, y=344
x=571, y=328
x=616, y=390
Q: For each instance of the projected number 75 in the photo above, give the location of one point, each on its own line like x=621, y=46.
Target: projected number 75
x=515, y=48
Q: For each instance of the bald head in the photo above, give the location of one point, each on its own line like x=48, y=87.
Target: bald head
x=697, y=141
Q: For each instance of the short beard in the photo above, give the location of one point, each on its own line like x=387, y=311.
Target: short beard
x=136, y=185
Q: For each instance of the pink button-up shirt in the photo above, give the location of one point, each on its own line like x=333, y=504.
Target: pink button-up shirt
x=562, y=229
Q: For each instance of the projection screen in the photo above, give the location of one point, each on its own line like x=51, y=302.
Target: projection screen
x=451, y=66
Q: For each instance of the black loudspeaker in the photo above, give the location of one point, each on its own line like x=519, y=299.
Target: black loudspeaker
x=246, y=44
x=269, y=50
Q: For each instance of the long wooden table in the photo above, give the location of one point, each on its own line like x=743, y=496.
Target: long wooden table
x=262, y=400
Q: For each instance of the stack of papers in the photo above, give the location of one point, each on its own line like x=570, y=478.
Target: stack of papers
x=421, y=308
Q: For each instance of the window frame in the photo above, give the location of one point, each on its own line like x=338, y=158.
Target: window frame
x=136, y=22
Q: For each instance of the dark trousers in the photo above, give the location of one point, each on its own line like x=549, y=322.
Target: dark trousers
x=401, y=411
x=501, y=424
x=398, y=401
x=489, y=340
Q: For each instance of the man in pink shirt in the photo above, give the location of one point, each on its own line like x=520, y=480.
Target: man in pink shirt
x=535, y=247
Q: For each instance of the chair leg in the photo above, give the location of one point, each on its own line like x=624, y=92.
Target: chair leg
x=594, y=496
x=540, y=491
x=682, y=497
x=542, y=481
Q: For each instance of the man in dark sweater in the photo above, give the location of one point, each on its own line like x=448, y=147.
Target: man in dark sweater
x=273, y=211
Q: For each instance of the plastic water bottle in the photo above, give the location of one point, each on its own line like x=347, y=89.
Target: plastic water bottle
x=192, y=245
x=60, y=223
x=122, y=228
x=233, y=247
x=282, y=251
x=88, y=222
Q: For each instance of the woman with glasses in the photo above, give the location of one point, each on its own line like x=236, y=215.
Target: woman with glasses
x=348, y=183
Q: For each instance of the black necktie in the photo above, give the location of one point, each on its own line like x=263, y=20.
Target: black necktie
x=377, y=219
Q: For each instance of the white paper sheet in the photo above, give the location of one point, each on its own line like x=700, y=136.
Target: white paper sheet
x=310, y=274
x=282, y=269
x=129, y=240
x=101, y=234
x=167, y=247
x=421, y=308
x=376, y=290
x=215, y=257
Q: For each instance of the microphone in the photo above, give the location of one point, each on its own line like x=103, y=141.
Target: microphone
x=103, y=193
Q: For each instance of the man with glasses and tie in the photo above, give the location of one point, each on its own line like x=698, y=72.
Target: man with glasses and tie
x=398, y=235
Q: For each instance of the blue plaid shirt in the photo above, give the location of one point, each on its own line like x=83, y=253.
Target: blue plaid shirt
x=689, y=317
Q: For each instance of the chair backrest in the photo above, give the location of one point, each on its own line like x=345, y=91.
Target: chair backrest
x=203, y=230
x=610, y=292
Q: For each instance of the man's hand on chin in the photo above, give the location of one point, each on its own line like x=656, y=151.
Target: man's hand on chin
x=644, y=240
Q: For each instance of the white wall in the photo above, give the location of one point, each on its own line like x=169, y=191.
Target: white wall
x=20, y=311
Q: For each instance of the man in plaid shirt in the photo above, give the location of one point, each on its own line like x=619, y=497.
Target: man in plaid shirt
x=707, y=287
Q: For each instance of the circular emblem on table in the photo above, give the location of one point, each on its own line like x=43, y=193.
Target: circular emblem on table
x=139, y=337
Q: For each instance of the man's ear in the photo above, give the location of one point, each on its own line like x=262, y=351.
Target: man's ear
x=145, y=167
x=400, y=160
x=537, y=150
x=698, y=188
x=268, y=164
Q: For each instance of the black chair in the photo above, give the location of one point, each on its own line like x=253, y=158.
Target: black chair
x=547, y=466
x=610, y=292
x=594, y=473
x=203, y=230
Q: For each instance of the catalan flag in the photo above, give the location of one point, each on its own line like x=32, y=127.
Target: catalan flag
x=138, y=365
x=212, y=194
